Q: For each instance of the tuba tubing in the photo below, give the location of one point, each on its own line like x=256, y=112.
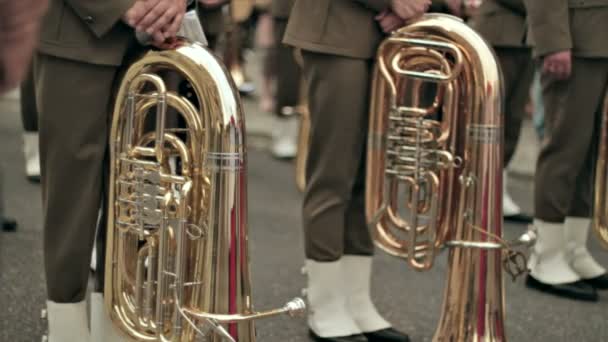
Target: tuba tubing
x=177, y=262
x=434, y=168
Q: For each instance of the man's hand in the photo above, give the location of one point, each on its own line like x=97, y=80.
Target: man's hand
x=389, y=21
x=408, y=9
x=161, y=19
x=558, y=65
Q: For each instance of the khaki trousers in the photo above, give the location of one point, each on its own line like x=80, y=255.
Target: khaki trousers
x=564, y=173
x=518, y=72
x=74, y=100
x=334, y=199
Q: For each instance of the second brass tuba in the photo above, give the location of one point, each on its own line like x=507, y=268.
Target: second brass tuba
x=434, y=167
x=177, y=262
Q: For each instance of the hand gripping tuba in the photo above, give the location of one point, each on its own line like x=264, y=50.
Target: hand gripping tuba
x=177, y=263
x=434, y=167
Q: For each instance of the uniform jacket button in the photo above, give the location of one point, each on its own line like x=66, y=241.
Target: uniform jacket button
x=88, y=19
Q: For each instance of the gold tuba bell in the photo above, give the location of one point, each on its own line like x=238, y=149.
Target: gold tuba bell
x=177, y=262
x=434, y=168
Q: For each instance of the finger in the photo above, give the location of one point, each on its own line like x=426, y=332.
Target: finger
x=158, y=37
x=152, y=15
x=163, y=21
x=171, y=31
x=135, y=13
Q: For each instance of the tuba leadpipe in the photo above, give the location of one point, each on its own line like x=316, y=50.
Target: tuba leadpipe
x=434, y=168
x=177, y=262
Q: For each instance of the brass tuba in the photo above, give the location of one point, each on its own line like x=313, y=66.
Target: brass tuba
x=177, y=263
x=434, y=167
x=600, y=205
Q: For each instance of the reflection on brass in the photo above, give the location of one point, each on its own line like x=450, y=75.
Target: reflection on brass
x=177, y=265
x=600, y=205
x=434, y=168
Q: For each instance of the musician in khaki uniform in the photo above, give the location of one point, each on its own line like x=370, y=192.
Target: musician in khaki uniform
x=573, y=55
x=503, y=24
x=83, y=44
x=339, y=39
x=288, y=80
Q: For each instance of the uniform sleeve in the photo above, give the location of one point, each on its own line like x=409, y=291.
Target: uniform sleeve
x=377, y=5
x=549, y=24
x=100, y=15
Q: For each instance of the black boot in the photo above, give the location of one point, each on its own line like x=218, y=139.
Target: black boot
x=579, y=290
x=351, y=338
x=599, y=282
x=386, y=335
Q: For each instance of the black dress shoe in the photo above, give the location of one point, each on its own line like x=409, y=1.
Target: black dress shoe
x=387, y=335
x=578, y=290
x=599, y=282
x=351, y=338
x=518, y=218
x=8, y=224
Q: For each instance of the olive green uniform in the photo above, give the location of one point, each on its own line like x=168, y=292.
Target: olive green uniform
x=339, y=39
x=573, y=107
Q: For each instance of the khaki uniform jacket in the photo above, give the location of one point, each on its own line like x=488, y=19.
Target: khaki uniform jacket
x=502, y=22
x=340, y=27
x=281, y=8
x=558, y=25
x=87, y=30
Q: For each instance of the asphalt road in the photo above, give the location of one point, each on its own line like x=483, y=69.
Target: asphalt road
x=409, y=299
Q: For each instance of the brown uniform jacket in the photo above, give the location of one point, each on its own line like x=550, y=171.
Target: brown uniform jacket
x=340, y=27
x=86, y=30
x=502, y=22
x=558, y=25
x=281, y=8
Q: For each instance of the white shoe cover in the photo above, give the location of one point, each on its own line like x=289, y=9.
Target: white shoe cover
x=548, y=263
x=32, y=154
x=358, y=271
x=327, y=313
x=576, y=234
x=68, y=322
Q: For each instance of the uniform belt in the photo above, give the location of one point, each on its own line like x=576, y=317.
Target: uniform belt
x=587, y=3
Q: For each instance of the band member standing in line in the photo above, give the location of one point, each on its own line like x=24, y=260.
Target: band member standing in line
x=503, y=24
x=288, y=81
x=83, y=44
x=339, y=39
x=574, y=61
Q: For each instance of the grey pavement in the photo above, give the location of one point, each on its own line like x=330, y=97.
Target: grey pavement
x=409, y=299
